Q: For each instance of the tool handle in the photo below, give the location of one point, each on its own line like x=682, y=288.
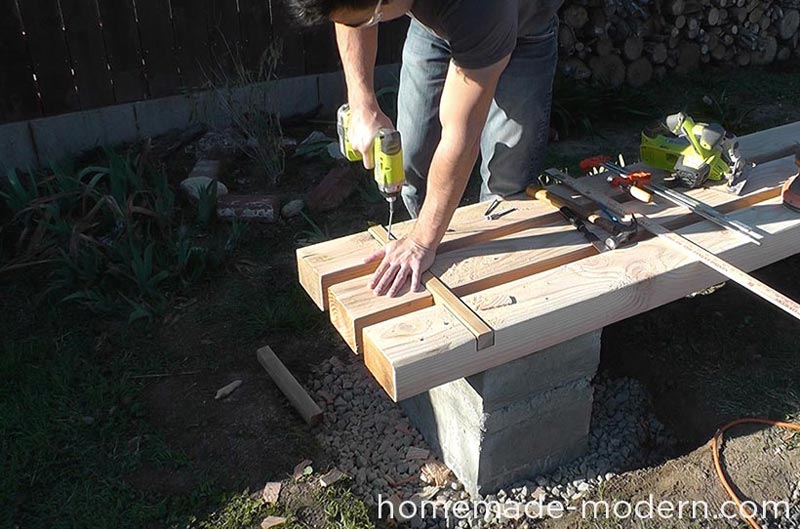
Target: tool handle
x=640, y=194
x=542, y=194
x=603, y=223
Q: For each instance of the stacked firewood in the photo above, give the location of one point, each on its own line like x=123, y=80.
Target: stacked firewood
x=633, y=41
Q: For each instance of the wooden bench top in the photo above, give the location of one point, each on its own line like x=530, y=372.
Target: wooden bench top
x=535, y=280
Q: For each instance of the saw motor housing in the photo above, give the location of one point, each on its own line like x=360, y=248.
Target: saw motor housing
x=694, y=152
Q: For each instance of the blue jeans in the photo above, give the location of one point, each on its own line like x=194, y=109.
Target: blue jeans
x=514, y=138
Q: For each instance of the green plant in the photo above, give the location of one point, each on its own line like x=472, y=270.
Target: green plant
x=245, y=96
x=313, y=235
x=723, y=110
x=106, y=234
x=317, y=145
x=343, y=509
x=580, y=106
x=207, y=203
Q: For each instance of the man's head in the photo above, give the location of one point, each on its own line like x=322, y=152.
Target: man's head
x=354, y=13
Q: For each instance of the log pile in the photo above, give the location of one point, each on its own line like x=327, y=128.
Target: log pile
x=618, y=42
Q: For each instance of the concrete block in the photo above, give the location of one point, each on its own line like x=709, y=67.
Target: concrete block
x=157, y=116
x=17, y=150
x=515, y=421
x=332, y=93
x=295, y=95
x=58, y=137
x=542, y=371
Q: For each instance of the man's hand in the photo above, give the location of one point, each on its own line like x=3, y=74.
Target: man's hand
x=401, y=261
x=365, y=122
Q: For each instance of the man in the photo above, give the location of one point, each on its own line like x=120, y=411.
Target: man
x=476, y=77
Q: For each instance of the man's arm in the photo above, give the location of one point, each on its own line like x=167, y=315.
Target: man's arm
x=358, y=49
x=465, y=104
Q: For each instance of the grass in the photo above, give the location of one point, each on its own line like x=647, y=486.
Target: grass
x=70, y=431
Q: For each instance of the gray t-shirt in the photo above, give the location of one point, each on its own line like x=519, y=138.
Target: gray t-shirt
x=481, y=32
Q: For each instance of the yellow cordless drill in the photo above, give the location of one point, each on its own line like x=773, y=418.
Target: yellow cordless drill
x=387, y=148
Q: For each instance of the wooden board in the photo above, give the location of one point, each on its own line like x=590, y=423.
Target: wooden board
x=521, y=275
x=289, y=38
x=191, y=42
x=256, y=32
x=87, y=49
x=321, y=51
x=158, y=47
x=49, y=55
x=16, y=77
x=123, y=50
x=224, y=36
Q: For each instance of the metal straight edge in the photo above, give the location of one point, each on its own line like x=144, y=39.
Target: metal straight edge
x=706, y=212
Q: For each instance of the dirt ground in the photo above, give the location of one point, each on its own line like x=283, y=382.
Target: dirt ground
x=698, y=364
x=705, y=361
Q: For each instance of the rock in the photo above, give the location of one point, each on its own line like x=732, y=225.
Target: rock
x=414, y=453
x=252, y=208
x=191, y=187
x=219, y=144
x=333, y=190
x=205, y=169
x=539, y=494
x=332, y=477
x=303, y=468
x=226, y=391
x=512, y=510
x=271, y=492
x=292, y=208
x=272, y=521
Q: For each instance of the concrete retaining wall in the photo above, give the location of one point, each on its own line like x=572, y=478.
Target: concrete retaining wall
x=35, y=143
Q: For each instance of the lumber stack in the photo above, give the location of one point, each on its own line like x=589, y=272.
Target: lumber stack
x=633, y=41
x=533, y=280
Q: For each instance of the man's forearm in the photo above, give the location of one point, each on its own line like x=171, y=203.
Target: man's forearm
x=358, y=49
x=448, y=176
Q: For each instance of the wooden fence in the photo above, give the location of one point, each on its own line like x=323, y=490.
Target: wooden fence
x=60, y=56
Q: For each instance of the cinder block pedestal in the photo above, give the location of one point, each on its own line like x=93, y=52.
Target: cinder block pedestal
x=515, y=421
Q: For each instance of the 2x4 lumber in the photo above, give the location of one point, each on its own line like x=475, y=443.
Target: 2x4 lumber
x=353, y=305
x=764, y=145
x=692, y=249
x=283, y=378
x=419, y=351
x=331, y=262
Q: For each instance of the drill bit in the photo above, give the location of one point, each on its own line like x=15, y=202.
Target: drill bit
x=391, y=217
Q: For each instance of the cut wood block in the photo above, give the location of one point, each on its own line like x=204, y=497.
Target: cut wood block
x=271, y=492
x=295, y=393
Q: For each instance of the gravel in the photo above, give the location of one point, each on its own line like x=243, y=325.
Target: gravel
x=368, y=437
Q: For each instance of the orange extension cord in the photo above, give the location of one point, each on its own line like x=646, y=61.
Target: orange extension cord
x=716, y=443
